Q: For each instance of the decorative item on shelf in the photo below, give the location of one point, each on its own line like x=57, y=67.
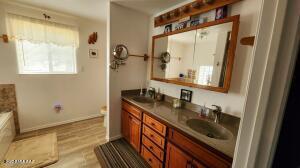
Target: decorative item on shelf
x=164, y=17
x=93, y=38
x=195, y=20
x=181, y=25
x=208, y=1
x=93, y=53
x=196, y=4
x=186, y=95
x=172, y=14
x=121, y=54
x=168, y=28
x=176, y=12
x=203, y=20
x=184, y=9
x=193, y=8
x=221, y=12
x=169, y=15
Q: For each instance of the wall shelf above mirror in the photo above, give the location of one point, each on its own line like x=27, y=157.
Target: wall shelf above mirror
x=201, y=56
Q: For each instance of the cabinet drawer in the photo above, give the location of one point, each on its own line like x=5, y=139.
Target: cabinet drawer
x=200, y=152
x=150, y=158
x=155, y=125
x=132, y=110
x=153, y=136
x=153, y=148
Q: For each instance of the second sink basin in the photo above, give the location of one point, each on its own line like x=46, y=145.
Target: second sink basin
x=210, y=129
x=143, y=99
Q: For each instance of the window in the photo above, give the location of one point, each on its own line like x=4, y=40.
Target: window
x=43, y=58
x=205, y=74
x=43, y=47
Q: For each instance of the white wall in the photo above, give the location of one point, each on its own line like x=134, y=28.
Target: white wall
x=130, y=28
x=233, y=102
x=82, y=94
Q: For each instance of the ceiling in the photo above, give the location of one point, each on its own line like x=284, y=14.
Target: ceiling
x=91, y=9
x=149, y=7
x=97, y=9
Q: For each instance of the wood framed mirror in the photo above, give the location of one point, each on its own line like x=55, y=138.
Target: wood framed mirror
x=201, y=56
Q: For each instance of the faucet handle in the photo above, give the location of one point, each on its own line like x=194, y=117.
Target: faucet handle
x=218, y=108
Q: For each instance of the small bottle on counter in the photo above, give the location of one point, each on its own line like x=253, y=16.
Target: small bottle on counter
x=204, y=112
x=176, y=103
x=159, y=95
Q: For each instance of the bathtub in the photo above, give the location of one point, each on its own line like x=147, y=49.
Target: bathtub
x=7, y=132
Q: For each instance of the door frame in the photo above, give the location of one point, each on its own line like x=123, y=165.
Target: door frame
x=267, y=89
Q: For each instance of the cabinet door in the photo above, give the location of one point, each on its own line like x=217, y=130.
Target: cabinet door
x=135, y=132
x=177, y=158
x=125, y=125
x=197, y=164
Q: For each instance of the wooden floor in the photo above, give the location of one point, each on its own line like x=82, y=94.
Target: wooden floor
x=76, y=142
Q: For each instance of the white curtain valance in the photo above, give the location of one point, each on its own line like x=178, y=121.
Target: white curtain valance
x=42, y=31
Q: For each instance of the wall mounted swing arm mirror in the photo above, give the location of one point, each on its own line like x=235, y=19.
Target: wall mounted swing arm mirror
x=200, y=56
x=120, y=55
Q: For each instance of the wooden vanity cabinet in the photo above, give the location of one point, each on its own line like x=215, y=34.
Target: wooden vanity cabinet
x=162, y=146
x=154, y=140
x=131, y=130
x=199, y=152
x=131, y=125
x=176, y=158
x=125, y=125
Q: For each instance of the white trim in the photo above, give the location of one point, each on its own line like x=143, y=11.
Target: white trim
x=60, y=123
x=115, y=137
x=108, y=48
x=280, y=87
x=263, y=66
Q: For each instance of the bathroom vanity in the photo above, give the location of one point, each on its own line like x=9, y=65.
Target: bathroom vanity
x=199, y=56
x=171, y=138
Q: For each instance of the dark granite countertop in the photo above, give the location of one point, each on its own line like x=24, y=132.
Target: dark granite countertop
x=177, y=118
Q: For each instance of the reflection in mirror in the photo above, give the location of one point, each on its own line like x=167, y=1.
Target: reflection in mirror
x=211, y=54
x=197, y=56
x=181, y=49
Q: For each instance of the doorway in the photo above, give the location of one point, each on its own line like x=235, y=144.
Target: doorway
x=287, y=153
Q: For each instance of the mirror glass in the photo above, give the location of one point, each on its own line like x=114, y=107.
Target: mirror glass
x=120, y=52
x=197, y=56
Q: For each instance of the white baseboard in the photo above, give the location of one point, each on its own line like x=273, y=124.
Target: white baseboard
x=59, y=123
x=115, y=137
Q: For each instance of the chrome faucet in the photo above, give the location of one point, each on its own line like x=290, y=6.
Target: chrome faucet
x=217, y=112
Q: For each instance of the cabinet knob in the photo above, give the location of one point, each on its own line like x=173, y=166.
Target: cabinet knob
x=150, y=160
x=151, y=147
